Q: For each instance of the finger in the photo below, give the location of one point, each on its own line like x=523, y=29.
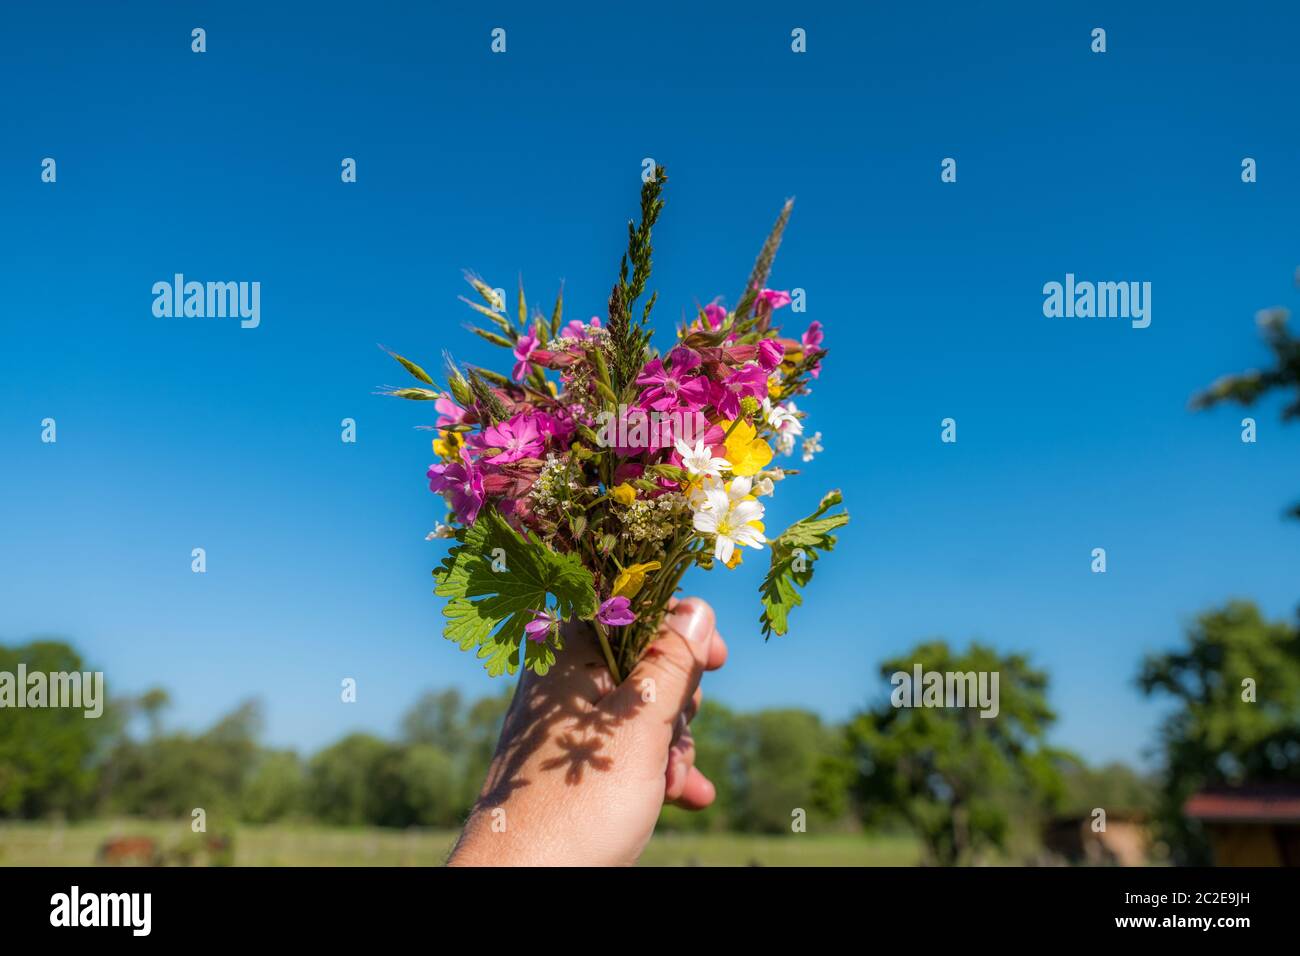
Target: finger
x=698, y=792
x=672, y=665
x=681, y=759
x=717, y=652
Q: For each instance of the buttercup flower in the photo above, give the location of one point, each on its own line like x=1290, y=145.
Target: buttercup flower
x=747, y=453
x=631, y=578
x=624, y=494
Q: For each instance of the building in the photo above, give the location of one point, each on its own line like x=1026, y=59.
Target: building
x=1256, y=825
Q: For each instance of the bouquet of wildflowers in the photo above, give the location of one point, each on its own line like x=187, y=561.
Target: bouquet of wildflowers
x=583, y=484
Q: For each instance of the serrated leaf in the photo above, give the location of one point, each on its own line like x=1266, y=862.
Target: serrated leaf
x=488, y=609
x=794, y=552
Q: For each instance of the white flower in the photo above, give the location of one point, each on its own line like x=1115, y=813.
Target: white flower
x=812, y=446
x=698, y=489
x=731, y=522
x=785, y=442
x=783, y=418
x=764, y=487
x=699, y=460
x=440, y=531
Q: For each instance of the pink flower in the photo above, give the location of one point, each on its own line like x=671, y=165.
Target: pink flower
x=461, y=483
x=812, y=340
x=715, y=315
x=449, y=413
x=518, y=437
x=615, y=611
x=576, y=330
x=748, y=380
x=771, y=354
x=773, y=298
x=559, y=428
x=668, y=387
x=539, y=626
x=525, y=346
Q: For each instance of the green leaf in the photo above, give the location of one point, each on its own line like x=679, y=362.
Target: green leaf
x=793, y=553
x=489, y=608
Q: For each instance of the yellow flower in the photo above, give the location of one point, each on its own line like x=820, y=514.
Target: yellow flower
x=447, y=445
x=747, y=453
x=630, y=579
x=624, y=494
x=774, y=386
x=736, y=557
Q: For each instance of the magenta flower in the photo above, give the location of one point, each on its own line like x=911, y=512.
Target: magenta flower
x=449, y=413
x=525, y=346
x=749, y=379
x=539, y=626
x=715, y=315
x=668, y=385
x=616, y=611
x=774, y=298
x=518, y=437
x=461, y=483
x=771, y=354
x=812, y=340
x=576, y=330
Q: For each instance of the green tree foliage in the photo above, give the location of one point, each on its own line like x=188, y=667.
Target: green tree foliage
x=276, y=788
x=957, y=779
x=1216, y=737
x=168, y=775
x=765, y=765
x=47, y=754
x=1246, y=388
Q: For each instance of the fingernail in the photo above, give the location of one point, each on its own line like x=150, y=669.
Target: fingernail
x=692, y=622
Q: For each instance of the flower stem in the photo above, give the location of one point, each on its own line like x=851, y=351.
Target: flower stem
x=609, y=655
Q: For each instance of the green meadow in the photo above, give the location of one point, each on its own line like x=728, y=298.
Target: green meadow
x=76, y=844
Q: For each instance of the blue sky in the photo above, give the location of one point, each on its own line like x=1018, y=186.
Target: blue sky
x=1072, y=433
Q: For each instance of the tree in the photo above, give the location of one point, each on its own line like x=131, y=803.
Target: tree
x=1249, y=387
x=1237, y=686
x=954, y=777
x=47, y=753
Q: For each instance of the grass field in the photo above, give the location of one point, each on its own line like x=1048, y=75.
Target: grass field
x=44, y=844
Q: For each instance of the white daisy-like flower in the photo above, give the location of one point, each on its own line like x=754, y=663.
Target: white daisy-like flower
x=782, y=418
x=699, y=460
x=812, y=446
x=731, y=523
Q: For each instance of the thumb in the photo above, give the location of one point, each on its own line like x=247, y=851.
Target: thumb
x=661, y=685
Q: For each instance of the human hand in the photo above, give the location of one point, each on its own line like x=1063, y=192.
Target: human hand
x=583, y=767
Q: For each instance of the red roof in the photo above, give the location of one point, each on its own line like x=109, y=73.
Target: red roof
x=1264, y=803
